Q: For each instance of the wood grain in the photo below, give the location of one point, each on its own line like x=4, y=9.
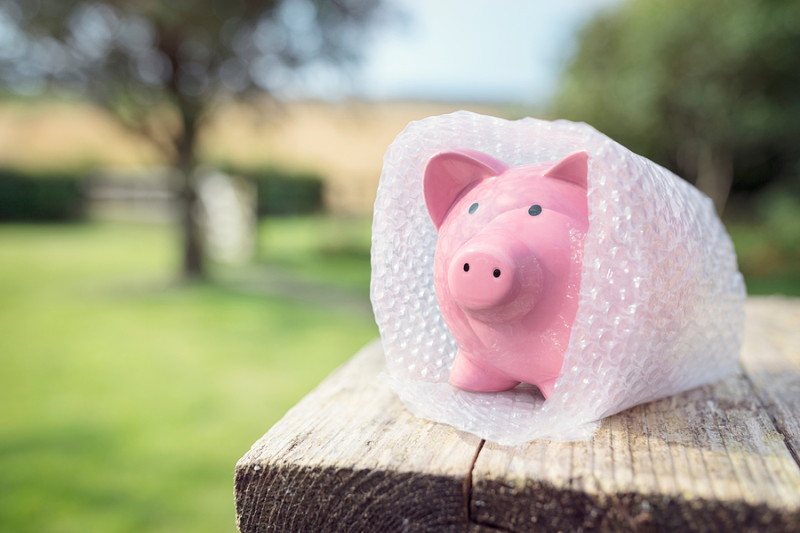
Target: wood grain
x=707, y=460
x=723, y=457
x=349, y=457
x=771, y=360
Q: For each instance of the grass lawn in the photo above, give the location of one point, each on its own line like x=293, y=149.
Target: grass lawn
x=333, y=250
x=126, y=398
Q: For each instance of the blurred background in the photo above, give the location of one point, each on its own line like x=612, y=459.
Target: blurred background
x=186, y=190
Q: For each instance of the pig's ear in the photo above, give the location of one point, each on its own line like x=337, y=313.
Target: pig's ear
x=573, y=168
x=447, y=174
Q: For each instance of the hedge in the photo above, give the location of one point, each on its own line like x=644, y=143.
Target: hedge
x=60, y=197
x=285, y=192
x=41, y=197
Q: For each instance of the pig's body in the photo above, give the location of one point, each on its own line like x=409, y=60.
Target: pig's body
x=507, y=265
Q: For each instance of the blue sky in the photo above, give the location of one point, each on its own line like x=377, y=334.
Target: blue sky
x=474, y=50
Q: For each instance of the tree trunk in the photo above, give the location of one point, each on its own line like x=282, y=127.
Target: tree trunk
x=715, y=174
x=193, y=261
x=193, y=265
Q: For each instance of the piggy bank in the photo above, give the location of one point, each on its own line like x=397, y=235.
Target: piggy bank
x=512, y=284
x=507, y=264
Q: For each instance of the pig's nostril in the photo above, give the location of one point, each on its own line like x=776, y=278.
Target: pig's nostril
x=496, y=273
x=466, y=267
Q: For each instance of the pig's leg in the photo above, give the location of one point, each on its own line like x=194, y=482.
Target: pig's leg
x=546, y=387
x=468, y=375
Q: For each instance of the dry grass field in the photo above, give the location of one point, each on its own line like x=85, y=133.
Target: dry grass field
x=50, y=135
x=342, y=142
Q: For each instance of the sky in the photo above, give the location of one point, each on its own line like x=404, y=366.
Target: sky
x=473, y=50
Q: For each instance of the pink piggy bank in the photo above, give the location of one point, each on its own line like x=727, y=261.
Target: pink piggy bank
x=508, y=264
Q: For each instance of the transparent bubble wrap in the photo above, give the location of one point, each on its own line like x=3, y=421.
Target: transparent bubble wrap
x=661, y=305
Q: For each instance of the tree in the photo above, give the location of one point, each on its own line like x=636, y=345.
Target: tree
x=708, y=89
x=159, y=66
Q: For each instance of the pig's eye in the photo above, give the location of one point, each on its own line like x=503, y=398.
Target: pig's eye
x=534, y=210
x=473, y=208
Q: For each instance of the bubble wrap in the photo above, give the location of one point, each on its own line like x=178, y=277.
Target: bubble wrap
x=661, y=305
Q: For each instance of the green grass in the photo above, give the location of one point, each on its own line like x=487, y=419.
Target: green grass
x=328, y=249
x=126, y=398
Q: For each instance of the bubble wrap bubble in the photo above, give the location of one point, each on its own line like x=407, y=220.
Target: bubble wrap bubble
x=661, y=299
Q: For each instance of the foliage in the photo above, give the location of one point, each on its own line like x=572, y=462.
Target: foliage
x=178, y=56
x=130, y=400
x=41, y=197
x=766, y=235
x=284, y=192
x=708, y=89
x=160, y=66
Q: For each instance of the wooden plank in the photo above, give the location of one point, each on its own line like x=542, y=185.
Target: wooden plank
x=711, y=459
x=349, y=457
x=723, y=457
x=771, y=359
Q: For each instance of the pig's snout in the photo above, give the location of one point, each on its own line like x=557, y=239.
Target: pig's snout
x=485, y=276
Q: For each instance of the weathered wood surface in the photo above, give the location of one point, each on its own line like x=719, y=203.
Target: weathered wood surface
x=723, y=457
x=349, y=457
